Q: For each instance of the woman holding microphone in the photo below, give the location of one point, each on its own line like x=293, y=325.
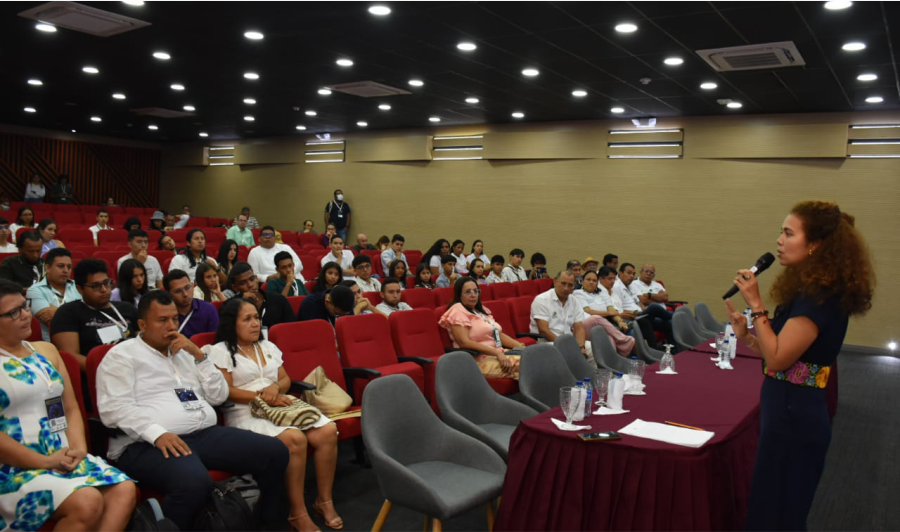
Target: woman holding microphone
x=827, y=278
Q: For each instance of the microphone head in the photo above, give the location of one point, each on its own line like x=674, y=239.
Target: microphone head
x=764, y=262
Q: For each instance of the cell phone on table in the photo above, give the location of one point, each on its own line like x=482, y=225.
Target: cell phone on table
x=600, y=436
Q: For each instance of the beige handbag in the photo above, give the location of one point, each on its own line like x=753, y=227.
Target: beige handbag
x=299, y=414
x=328, y=397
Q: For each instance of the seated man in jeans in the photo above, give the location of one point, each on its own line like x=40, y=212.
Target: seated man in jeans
x=159, y=389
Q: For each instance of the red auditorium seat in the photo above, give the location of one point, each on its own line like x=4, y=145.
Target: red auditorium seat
x=116, y=236
x=289, y=238
x=309, y=285
x=4, y=256
x=374, y=297
x=198, y=221
x=214, y=235
x=160, y=255
x=526, y=288
x=520, y=312
x=418, y=298
x=68, y=218
x=305, y=239
x=544, y=285
x=442, y=296
x=36, y=335
x=487, y=293
x=74, y=235
x=500, y=312
x=503, y=290
x=202, y=339
x=413, y=258
x=295, y=302
x=66, y=208
x=410, y=282
x=311, y=266
x=74, y=371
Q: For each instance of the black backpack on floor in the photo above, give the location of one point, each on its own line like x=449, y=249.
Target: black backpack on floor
x=148, y=517
x=226, y=511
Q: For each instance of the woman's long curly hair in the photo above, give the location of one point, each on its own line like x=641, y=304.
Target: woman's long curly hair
x=839, y=266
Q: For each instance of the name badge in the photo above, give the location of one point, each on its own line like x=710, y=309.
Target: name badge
x=497, y=338
x=340, y=215
x=56, y=414
x=188, y=398
x=109, y=334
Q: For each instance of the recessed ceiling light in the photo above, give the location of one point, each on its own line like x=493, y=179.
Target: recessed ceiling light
x=384, y=107
x=30, y=110
x=472, y=100
x=362, y=123
x=310, y=113
x=162, y=55
x=45, y=27
x=35, y=82
x=854, y=46
x=73, y=131
x=202, y=134
x=152, y=127
x=324, y=92
x=189, y=108
x=617, y=110
x=708, y=86
x=300, y=128
x=177, y=87
x=416, y=82
x=867, y=77
x=434, y=119
x=380, y=10
x=530, y=72
x=249, y=101
x=466, y=46
x=118, y=96
x=251, y=75
x=518, y=114
x=836, y=5
x=874, y=99
x=133, y=2
x=892, y=346
x=254, y=35
x=249, y=118
x=579, y=93
x=734, y=105
x=673, y=61
x=344, y=62
x=626, y=27
x=96, y=119
x=90, y=70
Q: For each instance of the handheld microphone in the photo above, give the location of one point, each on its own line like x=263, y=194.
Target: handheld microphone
x=762, y=264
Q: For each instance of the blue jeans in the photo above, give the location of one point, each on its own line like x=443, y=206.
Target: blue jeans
x=343, y=233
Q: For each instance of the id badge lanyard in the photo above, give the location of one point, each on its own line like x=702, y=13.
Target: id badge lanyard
x=123, y=325
x=186, y=320
x=40, y=370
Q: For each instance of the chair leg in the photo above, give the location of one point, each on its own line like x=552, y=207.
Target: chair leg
x=427, y=524
x=362, y=458
x=437, y=525
x=382, y=516
x=490, y=516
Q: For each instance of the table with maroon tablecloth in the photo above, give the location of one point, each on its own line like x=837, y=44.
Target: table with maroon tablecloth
x=555, y=481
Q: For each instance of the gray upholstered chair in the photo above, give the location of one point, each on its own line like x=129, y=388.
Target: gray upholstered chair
x=469, y=404
x=542, y=372
x=421, y=463
x=567, y=346
x=685, y=335
x=605, y=352
x=644, y=351
x=702, y=332
x=706, y=320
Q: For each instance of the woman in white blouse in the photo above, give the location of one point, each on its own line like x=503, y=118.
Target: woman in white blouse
x=253, y=367
x=34, y=190
x=195, y=255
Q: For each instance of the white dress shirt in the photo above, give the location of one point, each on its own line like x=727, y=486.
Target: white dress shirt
x=262, y=261
x=560, y=318
x=484, y=258
x=372, y=285
x=136, y=393
x=629, y=299
x=182, y=262
x=388, y=256
x=511, y=274
x=154, y=270
x=387, y=309
x=640, y=288
x=494, y=278
x=346, y=262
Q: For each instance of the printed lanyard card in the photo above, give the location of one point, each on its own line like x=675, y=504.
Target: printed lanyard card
x=56, y=414
x=188, y=398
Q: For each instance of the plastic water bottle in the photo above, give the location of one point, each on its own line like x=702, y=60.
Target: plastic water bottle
x=732, y=346
x=589, y=390
x=578, y=399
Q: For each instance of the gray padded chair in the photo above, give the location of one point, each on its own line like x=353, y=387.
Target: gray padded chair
x=567, y=346
x=469, y=404
x=421, y=463
x=605, y=352
x=542, y=372
x=685, y=335
x=701, y=331
x=706, y=320
x=644, y=351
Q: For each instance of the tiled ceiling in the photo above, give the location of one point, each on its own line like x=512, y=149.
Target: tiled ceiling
x=573, y=45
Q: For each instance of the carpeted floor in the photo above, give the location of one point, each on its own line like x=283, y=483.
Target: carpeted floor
x=858, y=489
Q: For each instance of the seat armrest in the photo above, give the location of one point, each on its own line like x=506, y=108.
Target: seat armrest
x=536, y=336
x=298, y=387
x=422, y=361
x=678, y=302
x=353, y=372
x=455, y=349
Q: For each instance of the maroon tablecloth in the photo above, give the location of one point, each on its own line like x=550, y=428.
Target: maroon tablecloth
x=557, y=482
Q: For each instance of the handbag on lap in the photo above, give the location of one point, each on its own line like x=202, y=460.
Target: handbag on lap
x=300, y=414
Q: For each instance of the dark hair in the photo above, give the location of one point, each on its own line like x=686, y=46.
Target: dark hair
x=349, y=283
x=239, y=268
x=126, y=275
x=157, y=224
x=498, y=258
x=572, y=263
x=361, y=259
x=337, y=190
x=393, y=266
x=609, y=257
x=247, y=208
x=321, y=286
x=308, y=220
x=435, y=249
x=19, y=216
x=263, y=228
x=159, y=241
x=228, y=317
x=397, y=238
x=3, y=221
x=472, y=267
x=626, y=265
x=336, y=235
x=56, y=253
x=473, y=246
x=101, y=211
x=86, y=268
x=457, y=294
x=198, y=280
x=605, y=271
x=448, y=258
x=136, y=233
x=32, y=235
x=129, y=222
x=63, y=176
x=391, y=280
x=45, y=223
x=592, y=272
x=280, y=256
x=160, y=296
x=516, y=252
x=9, y=288
x=419, y=269
x=538, y=257
x=456, y=243
x=190, y=254
x=222, y=258
x=383, y=240
x=174, y=275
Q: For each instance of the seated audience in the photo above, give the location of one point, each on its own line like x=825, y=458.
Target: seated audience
x=4, y=203
x=448, y=275
x=101, y=225
x=194, y=315
x=342, y=256
x=395, y=252
x=6, y=245
x=329, y=276
x=476, y=271
x=496, y=275
x=253, y=367
x=240, y=232
x=252, y=222
x=262, y=257
x=139, y=242
x=330, y=231
x=575, y=266
x=557, y=312
x=423, y=276
x=79, y=326
x=397, y=269
x=590, y=264
x=183, y=218
x=514, y=271
x=390, y=294
x=132, y=283
x=55, y=289
x=206, y=284
x=649, y=294
x=362, y=266
x=611, y=260
x=167, y=243
x=27, y=267
x=47, y=473
x=477, y=253
x=362, y=243
x=131, y=224
x=538, y=266
x=273, y=308
x=228, y=256
x=25, y=218
x=432, y=257
x=194, y=255
x=329, y=306
x=158, y=222
x=458, y=252
x=308, y=227
x=361, y=304
x=597, y=304
x=383, y=243
x=47, y=228
x=171, y=439
x=471, y=327
x=286, y=283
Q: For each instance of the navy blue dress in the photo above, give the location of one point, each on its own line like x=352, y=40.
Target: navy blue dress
x=795, y=429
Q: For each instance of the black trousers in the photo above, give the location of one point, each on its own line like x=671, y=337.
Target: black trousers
x=661, y=319
x=185, y=480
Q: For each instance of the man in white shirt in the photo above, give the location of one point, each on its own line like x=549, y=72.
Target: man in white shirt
x=159, y=389
x=557, y=312
x=342, y=256
x=393, y=253
x=514, y=271
x=390, y=293
x=262, y=257
x=102, y=224
x=637, y=293
x=184, y=218
x=496, y=275
x=362, y=265
x=139, y=241
x=597, y=304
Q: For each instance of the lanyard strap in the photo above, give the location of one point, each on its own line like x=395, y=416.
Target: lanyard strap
x=122, y=325
x=187, y=319
x=40, y=370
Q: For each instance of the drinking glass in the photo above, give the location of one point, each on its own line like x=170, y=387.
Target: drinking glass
x=567, y=403
x=636, y=372
x=601, y=385
x=720, y=345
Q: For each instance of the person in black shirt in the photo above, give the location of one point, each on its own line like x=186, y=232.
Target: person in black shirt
x=327, y=305
x=337, y=213
x=62, y=191
x=273, y=308
x=27, y=267
x=79, y=326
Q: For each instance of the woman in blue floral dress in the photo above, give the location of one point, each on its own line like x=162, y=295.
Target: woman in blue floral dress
x=45, y=471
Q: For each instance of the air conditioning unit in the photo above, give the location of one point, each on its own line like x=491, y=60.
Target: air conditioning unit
x=78, y=17
x=753, y=57
x=367, y=89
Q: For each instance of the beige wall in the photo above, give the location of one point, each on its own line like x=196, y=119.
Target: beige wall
x=698, y=219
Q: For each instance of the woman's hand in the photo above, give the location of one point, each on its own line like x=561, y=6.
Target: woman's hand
x=60, y=461
x=270, y=394
x=505, y=361
x=749, y=287
x=77, y=455
x=281, y=400
x=738, y=320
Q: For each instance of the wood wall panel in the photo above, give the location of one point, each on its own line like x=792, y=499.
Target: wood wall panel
x=525, y=145
x=388, y=149
x=759, y=140
x=271, y=151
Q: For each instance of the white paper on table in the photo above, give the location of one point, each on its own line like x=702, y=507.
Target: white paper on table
x=562, y=425
x=667, y=372
x=667, y=433
x=604, y=411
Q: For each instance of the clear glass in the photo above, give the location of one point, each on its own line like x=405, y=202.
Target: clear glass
x=720, y=345
x=667, y=363
x=601, y=385
x=636, y=372
x=566, y=394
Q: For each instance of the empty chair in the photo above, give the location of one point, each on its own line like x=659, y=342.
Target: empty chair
x=542, y=372
x=605, y=352
x=567, y=346
x=685, y=335
x=695, y=325
x=469, y=405
x=442, y=296
x=418, y=298
x=500, y=313
x=421, y=463
x=544, y=284
x=503, y=290
x=526, y=288
x=520, y=313
x=706, y=320
x=644, y=351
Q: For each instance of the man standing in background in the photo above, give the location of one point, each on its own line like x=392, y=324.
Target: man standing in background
x=337, y=213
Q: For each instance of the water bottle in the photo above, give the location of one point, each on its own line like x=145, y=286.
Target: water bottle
x=588, y=402
x=726, y=351
x=578, y=399
x=732, y=346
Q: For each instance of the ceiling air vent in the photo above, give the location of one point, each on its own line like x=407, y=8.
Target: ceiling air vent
x=753, y=57
x=368, y=89
x=78, y=17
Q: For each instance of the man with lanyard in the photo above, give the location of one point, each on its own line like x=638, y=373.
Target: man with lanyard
x=195, y=316
x=273, y=308
x=79, y=326
x=337, y=213
x=328, y=306
x=514, y=271
x=54, y=290
x=286, y=283
x=27, y=267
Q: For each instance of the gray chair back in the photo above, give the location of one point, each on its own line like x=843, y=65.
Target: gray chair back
x=469, y=404
x=706, y=319
x=567, y=346
x=703, y=333
x=542, y=372
x=644, y=351
x=685, y=336
x=605, y=352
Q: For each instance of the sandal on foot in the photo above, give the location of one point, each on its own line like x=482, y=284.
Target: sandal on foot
x=292, y=519
x=337, y=523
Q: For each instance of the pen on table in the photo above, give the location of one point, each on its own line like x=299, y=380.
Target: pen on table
x=685, y=426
